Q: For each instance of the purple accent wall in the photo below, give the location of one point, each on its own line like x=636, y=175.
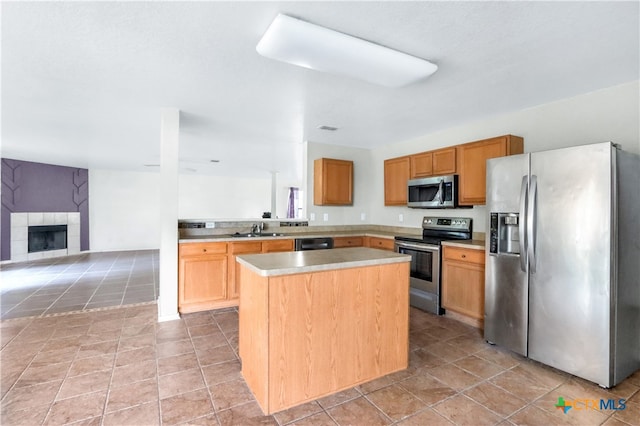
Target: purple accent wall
x=37, y=187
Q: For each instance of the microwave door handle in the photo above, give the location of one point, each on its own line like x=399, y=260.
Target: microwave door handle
x=523, y=223
x=441, y=191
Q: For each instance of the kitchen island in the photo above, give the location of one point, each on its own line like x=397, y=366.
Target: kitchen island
x=313, y=323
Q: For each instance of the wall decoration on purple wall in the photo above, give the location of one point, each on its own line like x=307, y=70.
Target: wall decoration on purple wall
x=11, y=172
x=37, y=187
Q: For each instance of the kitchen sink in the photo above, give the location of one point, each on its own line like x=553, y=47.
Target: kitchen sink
x=252, y=235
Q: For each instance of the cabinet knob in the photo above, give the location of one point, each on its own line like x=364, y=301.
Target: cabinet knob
x=204, y=250
x=464, y=255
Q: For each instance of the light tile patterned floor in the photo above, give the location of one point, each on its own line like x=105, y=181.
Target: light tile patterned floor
x=79, y=282
x=120, y=367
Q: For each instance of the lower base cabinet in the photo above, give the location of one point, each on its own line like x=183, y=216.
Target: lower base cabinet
x=208, y=272
x=463, y=281
x=202, y=276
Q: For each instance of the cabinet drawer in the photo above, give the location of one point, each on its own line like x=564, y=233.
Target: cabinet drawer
x=464, y=255
x=277, y=245
x=190, y=249
x=381, y=243
x=347, y=242
x=245, y=247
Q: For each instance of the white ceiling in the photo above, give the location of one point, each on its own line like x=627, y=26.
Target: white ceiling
x=83, y=82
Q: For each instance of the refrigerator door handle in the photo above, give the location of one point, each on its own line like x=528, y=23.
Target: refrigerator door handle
x=531, y=223
x=523, y=223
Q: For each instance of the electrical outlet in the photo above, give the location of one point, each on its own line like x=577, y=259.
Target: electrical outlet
x=325, y=217
x=400, y=217
x=210, y=225
x=363, y=216
x=312, y=216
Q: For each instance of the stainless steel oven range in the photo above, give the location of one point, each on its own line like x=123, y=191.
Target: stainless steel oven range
x=426, y=257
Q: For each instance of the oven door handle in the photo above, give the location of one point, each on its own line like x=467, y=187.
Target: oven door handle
x=420, y=247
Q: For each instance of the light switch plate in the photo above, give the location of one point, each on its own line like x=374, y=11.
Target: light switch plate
x=312, y=216
x=400, y=217
x=363, y=216
x=210, y=225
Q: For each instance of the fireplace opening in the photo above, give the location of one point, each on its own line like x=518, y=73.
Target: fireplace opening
x=45, y=238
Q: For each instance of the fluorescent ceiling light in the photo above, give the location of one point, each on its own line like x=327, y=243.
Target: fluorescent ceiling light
x=311, y=46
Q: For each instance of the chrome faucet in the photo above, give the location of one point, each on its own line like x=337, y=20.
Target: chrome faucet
x=257, y=228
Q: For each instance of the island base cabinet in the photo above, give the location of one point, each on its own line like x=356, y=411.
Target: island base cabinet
x=309, y=335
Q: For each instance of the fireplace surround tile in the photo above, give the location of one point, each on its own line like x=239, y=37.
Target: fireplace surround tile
x=20, y=223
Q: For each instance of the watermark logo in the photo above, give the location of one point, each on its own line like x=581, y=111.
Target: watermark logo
x=581, y=404
x=562, y=405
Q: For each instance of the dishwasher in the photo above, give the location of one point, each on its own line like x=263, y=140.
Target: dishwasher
x=320, y=243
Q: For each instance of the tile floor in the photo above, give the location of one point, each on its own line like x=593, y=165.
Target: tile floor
x=78, y=282
x=118, y=366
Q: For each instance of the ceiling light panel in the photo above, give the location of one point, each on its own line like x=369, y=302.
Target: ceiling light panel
x=311, y=46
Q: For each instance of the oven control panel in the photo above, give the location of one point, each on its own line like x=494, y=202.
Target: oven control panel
x=447, y=223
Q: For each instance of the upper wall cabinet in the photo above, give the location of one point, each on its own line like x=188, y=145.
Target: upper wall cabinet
x=433, y=163
x=472, y=165
x=332, y=182
x=397, y=172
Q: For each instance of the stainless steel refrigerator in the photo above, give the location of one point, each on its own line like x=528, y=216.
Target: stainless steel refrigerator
x=563, y=259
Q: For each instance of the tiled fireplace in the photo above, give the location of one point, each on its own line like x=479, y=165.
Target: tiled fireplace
x=20, y=223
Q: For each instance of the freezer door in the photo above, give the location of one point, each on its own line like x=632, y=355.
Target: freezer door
x=570, y=260
x=506, y=283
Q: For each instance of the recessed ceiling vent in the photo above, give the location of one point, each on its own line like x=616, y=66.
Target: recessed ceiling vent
x=329, y=128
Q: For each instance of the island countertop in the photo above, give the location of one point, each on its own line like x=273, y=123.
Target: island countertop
x=297, y=262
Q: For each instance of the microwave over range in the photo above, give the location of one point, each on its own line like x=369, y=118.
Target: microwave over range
x=437, y=192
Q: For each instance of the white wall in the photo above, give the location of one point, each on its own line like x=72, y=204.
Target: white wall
x=362, y=172
x=123, y=210
x=608, y=114
x=204, y=197
x=124, y=206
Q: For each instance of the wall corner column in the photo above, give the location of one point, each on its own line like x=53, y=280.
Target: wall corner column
x=168, y=268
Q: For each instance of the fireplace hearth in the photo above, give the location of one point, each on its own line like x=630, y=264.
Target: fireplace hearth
x=46, y=238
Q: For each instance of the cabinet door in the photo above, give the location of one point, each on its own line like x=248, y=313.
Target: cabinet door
x=444, y=161
x=463, y=281
x=421, y=165
x=472, y=165
x=339, y=242
x=396, y=175
x=245, y=247
x=202, y=280
x=273, y=246
x=332, y=182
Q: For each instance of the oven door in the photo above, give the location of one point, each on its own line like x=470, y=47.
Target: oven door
x=424, y=275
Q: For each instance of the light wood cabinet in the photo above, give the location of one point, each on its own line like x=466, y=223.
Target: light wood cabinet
x=332, y=182
x=421, y=165
x=250, y=247
x=463, y=281
x=235, y=249
x=397, y=172
x=272, y=246
x=339, y=242
x=433, y=163
x=380, y=243
x=472, y=165
x=202, y=276
x=444, y=161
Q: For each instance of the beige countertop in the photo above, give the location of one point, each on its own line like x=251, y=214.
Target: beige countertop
x=468, y=244
x=311, y=234
x=298, y=262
